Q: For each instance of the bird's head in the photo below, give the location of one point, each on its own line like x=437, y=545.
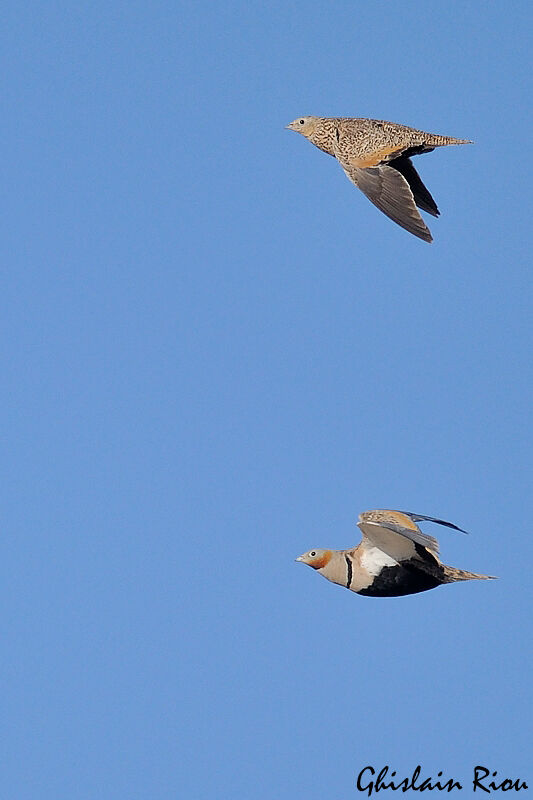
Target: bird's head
x=304, y=125
x=316, y=558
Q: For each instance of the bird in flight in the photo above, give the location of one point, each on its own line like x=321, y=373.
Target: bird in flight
x=376, y=157
x=393, y=559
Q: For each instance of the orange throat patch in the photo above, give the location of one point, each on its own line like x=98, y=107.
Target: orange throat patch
x=318, y=563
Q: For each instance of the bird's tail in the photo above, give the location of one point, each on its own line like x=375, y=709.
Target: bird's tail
x=453, y=140
x=452, y=574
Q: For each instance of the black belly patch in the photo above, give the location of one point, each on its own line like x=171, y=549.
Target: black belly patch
x=410, y=578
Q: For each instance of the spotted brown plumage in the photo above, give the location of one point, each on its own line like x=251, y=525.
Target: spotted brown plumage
x=394, y=558
x=376, y=157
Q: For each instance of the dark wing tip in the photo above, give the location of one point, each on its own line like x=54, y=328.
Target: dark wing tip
x=423, y=518
x=388, y=189
x=421, y=194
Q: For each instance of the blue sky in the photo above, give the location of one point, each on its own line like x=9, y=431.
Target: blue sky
x=215, y=354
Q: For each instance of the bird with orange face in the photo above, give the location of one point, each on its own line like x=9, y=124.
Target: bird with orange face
x=394, y=558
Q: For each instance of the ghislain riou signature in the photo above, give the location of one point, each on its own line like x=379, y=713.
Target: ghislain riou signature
x=484, y=780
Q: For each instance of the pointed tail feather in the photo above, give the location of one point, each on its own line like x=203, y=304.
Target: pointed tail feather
x=452, y=574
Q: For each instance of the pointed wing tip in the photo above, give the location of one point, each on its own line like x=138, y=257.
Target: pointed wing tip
x=424, y=518
x=451, y=525
x=388, y=189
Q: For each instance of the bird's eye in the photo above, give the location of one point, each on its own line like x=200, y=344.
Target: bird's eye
x=302, y=122
x=312, y=553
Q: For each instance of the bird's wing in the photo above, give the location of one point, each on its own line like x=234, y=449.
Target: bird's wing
x=421, y=194
x=422, y=518
x=387, y=188
x=397, y=535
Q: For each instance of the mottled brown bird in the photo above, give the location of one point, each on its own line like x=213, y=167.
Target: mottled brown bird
x=394, y=558
x=376, y=157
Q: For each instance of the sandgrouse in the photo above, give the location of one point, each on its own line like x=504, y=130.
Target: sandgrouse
x=394, y=558
x=376, y=157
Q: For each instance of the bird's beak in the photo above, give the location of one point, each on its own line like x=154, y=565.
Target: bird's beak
x=300, y=558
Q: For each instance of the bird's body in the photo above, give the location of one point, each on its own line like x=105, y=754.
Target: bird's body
x=394, y=558
x=376, y=157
